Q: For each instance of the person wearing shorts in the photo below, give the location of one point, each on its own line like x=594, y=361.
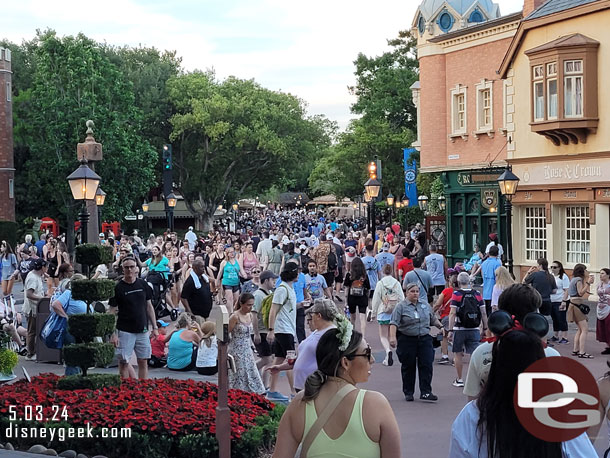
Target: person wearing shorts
x=259, y=331
x=132, y=303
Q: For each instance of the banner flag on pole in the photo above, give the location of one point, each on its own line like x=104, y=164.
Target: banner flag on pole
x=410, y=176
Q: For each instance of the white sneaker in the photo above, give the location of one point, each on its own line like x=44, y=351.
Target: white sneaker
x=369, y=315
x=30, y=358
x=458, y=382
x=385, y=362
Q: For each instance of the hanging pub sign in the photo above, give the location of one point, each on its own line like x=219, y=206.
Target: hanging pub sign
x=489, y=198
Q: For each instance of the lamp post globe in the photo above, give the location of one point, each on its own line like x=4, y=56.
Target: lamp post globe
x=422, y=201
x=508, y=182
x=442, y=202
x=372, y=187
x=83, y=182
x=100, y=197
x=405, y=201
x=390, y=199
x=145, y=206
x=171, y=200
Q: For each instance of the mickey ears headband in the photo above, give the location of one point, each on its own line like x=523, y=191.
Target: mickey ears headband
x=501, y=322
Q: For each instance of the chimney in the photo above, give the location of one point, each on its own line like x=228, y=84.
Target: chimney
x=531, y=5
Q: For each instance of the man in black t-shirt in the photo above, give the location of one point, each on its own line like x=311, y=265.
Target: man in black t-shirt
x=132, y=302
x=197, y=298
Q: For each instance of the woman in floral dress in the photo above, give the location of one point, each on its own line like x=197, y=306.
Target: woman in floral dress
x=246, y=376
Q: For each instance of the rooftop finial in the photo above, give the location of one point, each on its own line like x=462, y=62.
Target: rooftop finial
x=90, y=125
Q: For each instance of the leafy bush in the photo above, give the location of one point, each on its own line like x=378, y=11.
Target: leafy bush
x=84, y=355
x=8, y=361
x=90, y=382
x=92, y=290
x=91, y=254
x=84, y=327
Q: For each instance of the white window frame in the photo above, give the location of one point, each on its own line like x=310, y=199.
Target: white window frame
x=551, y=75
x=573, y=76
x=9, y=96
x=7, y=54
x=538, y=80
x=577, y=235
x=535, y=245
x=480, y=88
x=455, y=93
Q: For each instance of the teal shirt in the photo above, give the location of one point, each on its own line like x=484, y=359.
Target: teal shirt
x=230, y=275
x=180, y=351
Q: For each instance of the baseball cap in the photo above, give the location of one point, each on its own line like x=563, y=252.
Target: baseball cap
x=266, y=274
x=493, y=236
x=386, y=246
x=38, y=264
x=162, y=324
x=330, y=236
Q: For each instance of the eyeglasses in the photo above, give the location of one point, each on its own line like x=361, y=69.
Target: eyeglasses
x=367, y=354
x=256, y=271
x=554, y=267
x=130, y=267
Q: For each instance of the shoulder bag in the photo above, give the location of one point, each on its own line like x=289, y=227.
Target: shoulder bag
x=322, y=420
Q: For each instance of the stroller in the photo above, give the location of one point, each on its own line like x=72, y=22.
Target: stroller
x=160, y=285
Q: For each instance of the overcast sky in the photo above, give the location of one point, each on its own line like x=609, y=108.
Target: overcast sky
x=306, y=49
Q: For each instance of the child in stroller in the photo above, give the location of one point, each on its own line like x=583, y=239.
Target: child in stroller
x=11, y=323
x=161, y=288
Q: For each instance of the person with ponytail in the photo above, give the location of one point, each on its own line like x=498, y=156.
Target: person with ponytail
x=489, y=428
x=326, y=419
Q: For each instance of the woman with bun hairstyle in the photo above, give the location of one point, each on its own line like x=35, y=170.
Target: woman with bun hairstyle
x=344, y=359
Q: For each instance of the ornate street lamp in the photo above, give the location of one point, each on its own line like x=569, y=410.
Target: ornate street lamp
x=405, y=201
x=372, y=187
x=145, y=206
x=171, y=201
x=508, y=183
x=83, y=184
x=145, y=211
x=390, y=199
x=422, y=201
x=442, y=202
x=100, y=198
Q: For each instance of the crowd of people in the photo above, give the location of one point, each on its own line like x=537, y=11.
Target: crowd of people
x=297, y=284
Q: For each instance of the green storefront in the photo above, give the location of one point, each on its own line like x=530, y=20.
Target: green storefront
x=474, y=210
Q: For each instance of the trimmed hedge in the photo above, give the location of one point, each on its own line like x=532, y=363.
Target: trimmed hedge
x=92, y=290
x=84, y=327
x=91, y=382
x=84, y=355
x=92, y=254
x=8, y=232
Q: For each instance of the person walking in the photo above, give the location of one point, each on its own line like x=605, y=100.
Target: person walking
x=410, y=335
x=246, y=376
x=387, y=295
x=344, y=359
x=558, y=304
x=579, y=291
x=228, y=276
x=436, y=265
x=34, y=292
x=467, y=314
x=503, y=281
x=136, y=318
x=442, y=307
x=358, y=287
x=422, y=279
x=543, y=282
x=196, y=293
x=603, y=310
x=191, y=237
x=488, y=271
x=259, y=330
x=9, y=267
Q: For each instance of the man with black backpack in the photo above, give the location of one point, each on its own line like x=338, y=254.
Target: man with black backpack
x=467, y=314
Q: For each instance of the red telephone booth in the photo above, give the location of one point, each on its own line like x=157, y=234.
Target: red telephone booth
x=49, y=225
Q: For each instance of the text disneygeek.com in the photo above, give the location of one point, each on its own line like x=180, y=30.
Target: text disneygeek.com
x=61, y=434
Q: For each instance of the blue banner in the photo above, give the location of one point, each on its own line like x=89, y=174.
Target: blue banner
x=410, y=176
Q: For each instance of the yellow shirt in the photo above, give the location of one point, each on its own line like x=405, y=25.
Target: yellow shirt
x=353, y=443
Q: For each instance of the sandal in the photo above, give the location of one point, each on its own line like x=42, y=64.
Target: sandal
x=585, y=355
x=575, y=353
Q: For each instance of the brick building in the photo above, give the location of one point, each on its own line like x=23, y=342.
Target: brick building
x=7, y=168
x=461, y=112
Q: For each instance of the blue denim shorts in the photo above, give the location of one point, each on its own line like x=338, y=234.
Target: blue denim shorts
x=465, y=341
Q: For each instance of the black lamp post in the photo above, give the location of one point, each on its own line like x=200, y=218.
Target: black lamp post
x=372, y=187
x=100, y=199
x=171, y=200
x=145, y=208
x=83, y=184
x=508, y=183
x=390, y=202
x=235, y=214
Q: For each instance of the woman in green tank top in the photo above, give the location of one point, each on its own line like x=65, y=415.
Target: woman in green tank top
x=342, y=363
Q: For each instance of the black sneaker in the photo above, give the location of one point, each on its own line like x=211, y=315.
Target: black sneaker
x=606, y=351
x=409, y=397
x=390, y=359
x=429, y=397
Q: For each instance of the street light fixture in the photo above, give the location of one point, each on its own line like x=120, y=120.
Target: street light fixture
x=442, y=202
x=405, y=201
x=145, y=206
x=100, y=198
x=145, y=211
x=422, y=201
x=83, y=184
x=235, y=206
x=508, y=183
x=171, y=201
x=372, y=187
x=390, y=199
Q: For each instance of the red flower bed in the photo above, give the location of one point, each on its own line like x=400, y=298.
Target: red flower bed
x=163, y=406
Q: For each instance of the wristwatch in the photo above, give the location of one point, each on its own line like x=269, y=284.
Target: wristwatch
x=270, y=329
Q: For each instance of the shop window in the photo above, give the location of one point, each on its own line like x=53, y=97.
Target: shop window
x=578, y=234
x=459, y=206
x=474, y=206
x=573, y=97
x=535, y=233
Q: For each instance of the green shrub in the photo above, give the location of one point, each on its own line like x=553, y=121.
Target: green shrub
x=8, y=232
x=92, y=290
x=90, y=382
x=91, y=254
x=8, y=361
x=85, y=355
x=84, y=327
x=201, y=445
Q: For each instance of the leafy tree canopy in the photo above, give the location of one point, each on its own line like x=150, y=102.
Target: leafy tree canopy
x=234, y=138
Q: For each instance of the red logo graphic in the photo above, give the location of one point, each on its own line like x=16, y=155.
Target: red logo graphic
x=557, y=399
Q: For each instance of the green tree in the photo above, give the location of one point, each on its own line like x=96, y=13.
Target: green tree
x=72, y=81
x=234, y=139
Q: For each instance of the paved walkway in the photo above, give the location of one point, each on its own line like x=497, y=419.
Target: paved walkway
x=425, y=427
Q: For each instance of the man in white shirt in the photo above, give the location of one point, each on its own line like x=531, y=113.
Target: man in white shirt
x=263, y=249
x=34, y=292
x=191, y=237
x=518, y=300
